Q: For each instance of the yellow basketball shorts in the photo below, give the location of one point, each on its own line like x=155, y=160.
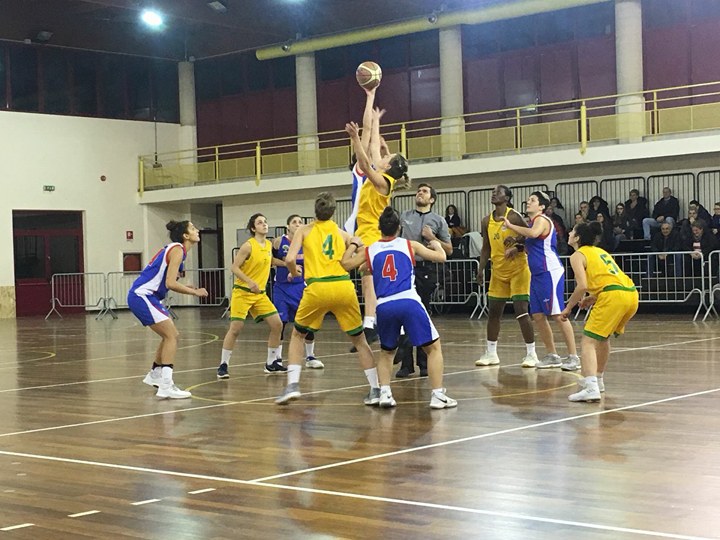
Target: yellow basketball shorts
x=513, y=287
x=257, y=304
x=336, y=297
x=610, y=314
x=368, y=234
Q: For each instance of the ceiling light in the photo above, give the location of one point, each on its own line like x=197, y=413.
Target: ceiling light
x=151, y=18
x=217, y=6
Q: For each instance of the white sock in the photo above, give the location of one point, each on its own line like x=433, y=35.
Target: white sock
x=530, y=347
x=225, y=356
x=309, y=348
x=385, y=389
x=279, y=352
x=294, y=373
x=156, y=372
x=369, y=322
x=492, y=347
x=372, y=377
x=591, y=381
x=272, y=355
x=440, y=391
x=166, y=374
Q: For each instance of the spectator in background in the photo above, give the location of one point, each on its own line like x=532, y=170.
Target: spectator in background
x=702, y=212
x=607, y=238
x=666, y=210
x=584, y=210
x=597, y=205
x=560, y=229
x=620, y=224
x=636, y=209
x=700, y=244
x=558, y=209
x=686, y=225
x=454, y=222
x=668, y=240
x=715, y=221
x=580, y=218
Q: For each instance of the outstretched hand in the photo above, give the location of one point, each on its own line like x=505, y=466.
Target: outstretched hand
x=352, y=129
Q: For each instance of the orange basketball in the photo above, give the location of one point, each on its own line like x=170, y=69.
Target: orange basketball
x=368, y=75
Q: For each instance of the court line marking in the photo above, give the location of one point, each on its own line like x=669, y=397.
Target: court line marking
x=82, y=514
x=147, y=501
x=21, y=526
x=199, y=491
x=224, y=404
x=263, y=482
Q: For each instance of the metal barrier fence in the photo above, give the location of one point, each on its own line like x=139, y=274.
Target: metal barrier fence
x=661, y=278
x=76, y=291
x=713, y=283
x=108, y=292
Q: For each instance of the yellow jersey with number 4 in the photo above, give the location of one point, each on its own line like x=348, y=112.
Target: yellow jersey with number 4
x=603, y=274
x=323, y=249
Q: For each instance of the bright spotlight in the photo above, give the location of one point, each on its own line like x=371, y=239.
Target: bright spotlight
x=151, y=18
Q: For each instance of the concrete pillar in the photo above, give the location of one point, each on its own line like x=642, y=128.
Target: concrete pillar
x=629, y=67
x=188, y=123
x=451, y=94
x=308, y=155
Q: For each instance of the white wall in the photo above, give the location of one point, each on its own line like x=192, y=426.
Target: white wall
x=72, y=153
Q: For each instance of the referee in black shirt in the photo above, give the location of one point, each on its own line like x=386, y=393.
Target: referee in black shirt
x=422, y=225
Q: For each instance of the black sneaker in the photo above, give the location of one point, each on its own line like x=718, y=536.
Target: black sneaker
x=222, y=372
x=370, y=336
x=404, y=373
x=275, y=367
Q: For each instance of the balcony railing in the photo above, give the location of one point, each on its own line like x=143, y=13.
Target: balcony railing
x=574, y=123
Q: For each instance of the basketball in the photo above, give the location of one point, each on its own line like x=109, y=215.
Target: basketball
x=368, y=75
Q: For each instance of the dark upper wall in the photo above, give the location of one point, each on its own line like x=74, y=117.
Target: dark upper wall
x=544, y=58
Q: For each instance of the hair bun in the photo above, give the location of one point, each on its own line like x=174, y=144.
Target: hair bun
x=596, y=228
x=170, y=225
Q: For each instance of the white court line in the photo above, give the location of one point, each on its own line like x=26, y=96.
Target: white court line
x=21, y=526
x=262, y=482
x=199, y=491
x=148, y=501
x=82, y=514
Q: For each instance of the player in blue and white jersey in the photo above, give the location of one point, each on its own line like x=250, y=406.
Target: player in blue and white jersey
x=547, y=282
x=145, y=301
x=288, y=291
x=391, y=261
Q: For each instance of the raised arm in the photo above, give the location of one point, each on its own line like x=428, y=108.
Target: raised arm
x=378, y=180
x=368, y=119
x=540, y=227
x=434, y=251
x=374, y=149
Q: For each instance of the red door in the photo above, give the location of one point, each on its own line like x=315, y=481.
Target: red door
x=45, y=243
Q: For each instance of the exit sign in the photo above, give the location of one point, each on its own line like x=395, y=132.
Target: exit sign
x=48, y=188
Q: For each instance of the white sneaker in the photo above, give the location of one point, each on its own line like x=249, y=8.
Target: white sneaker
x=530, y=360
x=587, y=393
x=313, y=363
x=571, y=363
x=171, y=391
x=386, y=400
x=440, y=400
x=488, y=359
x=151, y=380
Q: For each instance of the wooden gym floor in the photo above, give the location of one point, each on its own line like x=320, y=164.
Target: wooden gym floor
x=86, y=451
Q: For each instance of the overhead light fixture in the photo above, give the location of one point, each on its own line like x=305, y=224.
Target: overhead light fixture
x=218, y=6
x=152, y=18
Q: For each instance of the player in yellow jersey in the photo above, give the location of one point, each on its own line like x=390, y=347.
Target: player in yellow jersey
x=329, y=289
x=384, y=173
x=510, y=277
x=615, y=301
x=251, y=268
